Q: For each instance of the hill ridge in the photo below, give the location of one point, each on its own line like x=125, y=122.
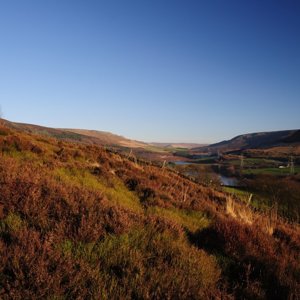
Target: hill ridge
x=254, y=140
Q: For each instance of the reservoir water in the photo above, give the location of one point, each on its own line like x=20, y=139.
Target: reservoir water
x=225, y=180
x=228, y=181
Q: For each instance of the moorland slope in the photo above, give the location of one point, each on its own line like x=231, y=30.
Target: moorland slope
x=78, y=221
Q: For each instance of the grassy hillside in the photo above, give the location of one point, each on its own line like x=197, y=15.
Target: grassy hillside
x=78, y=221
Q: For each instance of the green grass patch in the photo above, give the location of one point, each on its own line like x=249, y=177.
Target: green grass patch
x=257, y=201
x=147, y=262
x=241, y=194
x=114, y=190
x=189, y=219
x=20, y=155
x=158, y=149
x=12, y=222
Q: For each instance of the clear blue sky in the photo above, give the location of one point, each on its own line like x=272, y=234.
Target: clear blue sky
x=152, y=70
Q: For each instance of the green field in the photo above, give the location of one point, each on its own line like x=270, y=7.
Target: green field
x=270, y=171
x=257, y=201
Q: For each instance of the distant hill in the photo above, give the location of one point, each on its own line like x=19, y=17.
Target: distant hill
x=281, y=140
x=108, y=138
x=77, y=135
x=178, y=145
x=92, y=136
x=254, y=141
x=153, y=152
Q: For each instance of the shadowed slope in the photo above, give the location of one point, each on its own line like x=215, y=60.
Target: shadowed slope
x=255, y=140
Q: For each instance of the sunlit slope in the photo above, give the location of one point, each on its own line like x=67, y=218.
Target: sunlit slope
x=78, y=221
x=109, y=138
x=77, y=135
